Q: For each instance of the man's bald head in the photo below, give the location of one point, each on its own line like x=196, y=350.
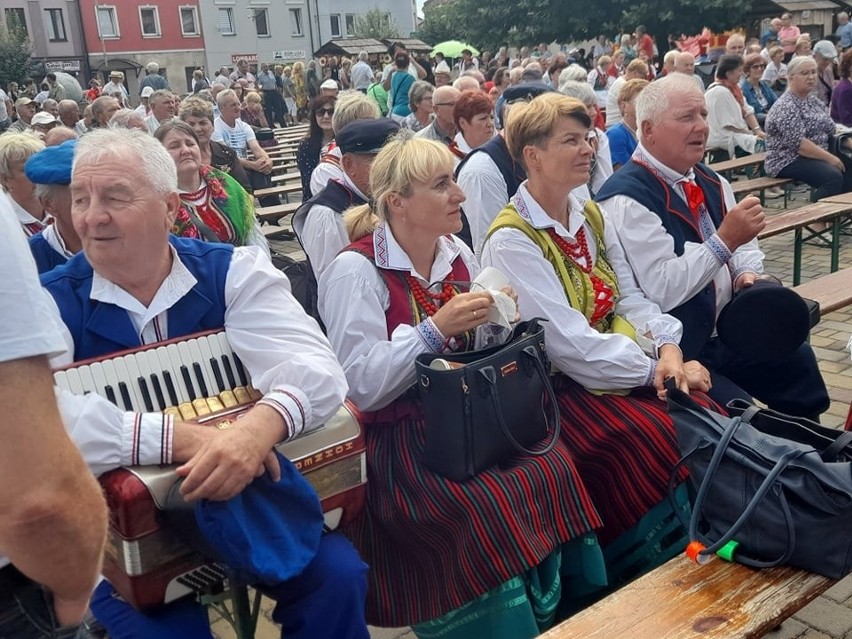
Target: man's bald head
x=684, y=63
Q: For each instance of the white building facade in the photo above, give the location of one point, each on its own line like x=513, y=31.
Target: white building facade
x=286, y=30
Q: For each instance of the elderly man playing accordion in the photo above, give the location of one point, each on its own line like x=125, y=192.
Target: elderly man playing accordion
x=134, y=285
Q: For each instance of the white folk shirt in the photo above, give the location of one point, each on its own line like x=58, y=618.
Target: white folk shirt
x=25, y=218
x=380, y=370
x=28, y=326
x=284, y=352
x=602, y=361
x=323, y=234
x=666, y=278
x=329, y=168
x=54, y=240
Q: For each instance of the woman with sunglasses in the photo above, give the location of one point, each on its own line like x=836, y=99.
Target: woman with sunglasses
x=757, y=92
x=486, y=558
x=319, y=135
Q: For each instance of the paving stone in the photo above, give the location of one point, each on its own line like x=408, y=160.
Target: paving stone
x=841, y=591
x=790, y=629
x=827, y=616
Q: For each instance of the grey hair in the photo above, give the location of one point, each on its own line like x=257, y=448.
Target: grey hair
x=573, y=73
x=224, y=95
x=160, y=94
x=583, y=91
x=798, y=61
x=418, y=91
x=362, y=56
x=123, y=118
x=48, y=191
x=350, y=106
x=155, y=164
x=655, y=99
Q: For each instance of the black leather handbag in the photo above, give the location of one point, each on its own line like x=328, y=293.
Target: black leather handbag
x=483, y=407
x=770, y=489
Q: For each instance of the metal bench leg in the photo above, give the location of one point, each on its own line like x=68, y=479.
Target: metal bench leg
x=797, y=257
x=835, y=244
x=245, y=614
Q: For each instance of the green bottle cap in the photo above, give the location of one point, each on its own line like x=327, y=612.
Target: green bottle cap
x=727, y=551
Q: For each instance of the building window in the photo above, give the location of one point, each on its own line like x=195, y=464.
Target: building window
x=261, y=22
x=16, y=20
x=107, y=23
x=149, y=17
x=226, y=21
x=350, y=24
x=189, y=21
x=55, y=25
x=335, y=25
x=296, y=22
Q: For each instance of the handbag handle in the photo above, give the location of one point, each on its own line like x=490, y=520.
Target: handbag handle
x=490, y=376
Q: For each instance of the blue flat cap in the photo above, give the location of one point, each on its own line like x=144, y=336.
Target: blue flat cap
x=366, y=136
x=51, y=165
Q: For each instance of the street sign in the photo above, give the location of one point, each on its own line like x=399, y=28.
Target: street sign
x=289, y=54
x=247, y=57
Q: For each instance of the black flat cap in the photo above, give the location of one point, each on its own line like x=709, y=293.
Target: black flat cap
x=366, y=136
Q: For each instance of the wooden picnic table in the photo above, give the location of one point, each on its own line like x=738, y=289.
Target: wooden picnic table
x=842, y=198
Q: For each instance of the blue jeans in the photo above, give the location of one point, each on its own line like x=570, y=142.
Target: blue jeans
x=326, y=600
x=26, y=610
x=826, y=179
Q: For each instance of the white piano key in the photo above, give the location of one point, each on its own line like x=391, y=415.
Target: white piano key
x=60, y=380
x=133, y=376
x=186, y=360
x=74, y=383
x=206, y=355
x=174, y=355
x=112, y=379
x=98, y=375
x=166, y=366
x=206, y=373
x=226, y=350
x=145, y=360
x=89, y=385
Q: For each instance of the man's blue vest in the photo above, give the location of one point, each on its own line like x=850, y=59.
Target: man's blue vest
x=633, y=180
x=46, y=258
x=99, y=329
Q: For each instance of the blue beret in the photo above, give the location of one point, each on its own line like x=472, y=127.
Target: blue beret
x=51, y=165
x=366, y=136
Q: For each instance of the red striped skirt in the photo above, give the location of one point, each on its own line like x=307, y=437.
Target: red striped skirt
x=433, y=544
x=624, y=447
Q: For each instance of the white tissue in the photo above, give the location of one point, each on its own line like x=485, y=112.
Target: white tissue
x=502, y=311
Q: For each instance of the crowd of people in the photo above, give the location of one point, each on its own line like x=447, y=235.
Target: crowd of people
x=580, y=178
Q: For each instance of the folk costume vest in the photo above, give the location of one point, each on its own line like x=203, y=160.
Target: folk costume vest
x=99, y=329
x=636, y=181
x=336, y=196
x=46, y=257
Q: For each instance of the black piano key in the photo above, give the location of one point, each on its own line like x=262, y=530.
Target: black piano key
x=125, y=396
x=229, y=372
x=187, y=379
x=146, y=396
x=199, y=376
x=158, y=392
x=244, y=381
x=170, y=388
x=109, y=391
x=217, y=375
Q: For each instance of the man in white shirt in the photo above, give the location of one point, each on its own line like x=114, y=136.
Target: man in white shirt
x=692, y=246
x=685, y=65
x=319, y=222
x=25, y=110
x=162, y=103
x=54, y=516
x=5, y=111
x=223, y=78
x=636, y=70
x=361, y=76
x=242, y=73
x=134, y=284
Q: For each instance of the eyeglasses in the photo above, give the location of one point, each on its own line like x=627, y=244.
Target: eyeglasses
x=757, y=66
x=322, y=112
x=444, y=104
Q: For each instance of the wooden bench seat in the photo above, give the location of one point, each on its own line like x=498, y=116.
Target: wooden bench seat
x=760, y=184
x=271, y=213
x=681, y=600
x=799, y=219
x=727, y=167
x=833, y=291
x=284, y=189
x=286, y=177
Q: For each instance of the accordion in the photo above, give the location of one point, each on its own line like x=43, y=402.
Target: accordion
x=148, y=563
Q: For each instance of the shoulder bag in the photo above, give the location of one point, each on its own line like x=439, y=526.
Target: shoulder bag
x=483, y=407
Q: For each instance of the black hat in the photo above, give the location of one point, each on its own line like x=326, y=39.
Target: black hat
x=765, y=321
x=366, y=136
x=525, y=91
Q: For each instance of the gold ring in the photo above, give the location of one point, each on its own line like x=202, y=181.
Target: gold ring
x=474, y=314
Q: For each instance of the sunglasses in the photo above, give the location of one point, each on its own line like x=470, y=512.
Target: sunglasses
x=322, y=112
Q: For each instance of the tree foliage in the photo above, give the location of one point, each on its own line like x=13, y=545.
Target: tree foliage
x=488, y=25
x=15, y=54
x=376, y=24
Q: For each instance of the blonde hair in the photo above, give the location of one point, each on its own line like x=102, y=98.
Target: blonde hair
x=400, y=163
x=531, y=124
x=16, y=148
x=631, y=89
x=251, y=96
x=350, y=106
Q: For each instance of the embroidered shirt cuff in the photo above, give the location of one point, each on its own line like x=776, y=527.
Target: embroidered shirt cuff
x=717, y=247
x=293, y=408
x=148, y=439
x=662, y=339
x=737, y=272
x=431, y=336
x=652, y=371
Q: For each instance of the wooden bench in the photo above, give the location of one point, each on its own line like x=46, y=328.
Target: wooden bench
x=682, y=600
x=833, y=291
x=760, y=184
x=728, y=167
x=799, y=219
x=284, y=189
x=274, y=213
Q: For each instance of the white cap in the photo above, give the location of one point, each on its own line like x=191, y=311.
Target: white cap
x=329, y=84
x=43, y=118
x=442, y=67
x=146, y=92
